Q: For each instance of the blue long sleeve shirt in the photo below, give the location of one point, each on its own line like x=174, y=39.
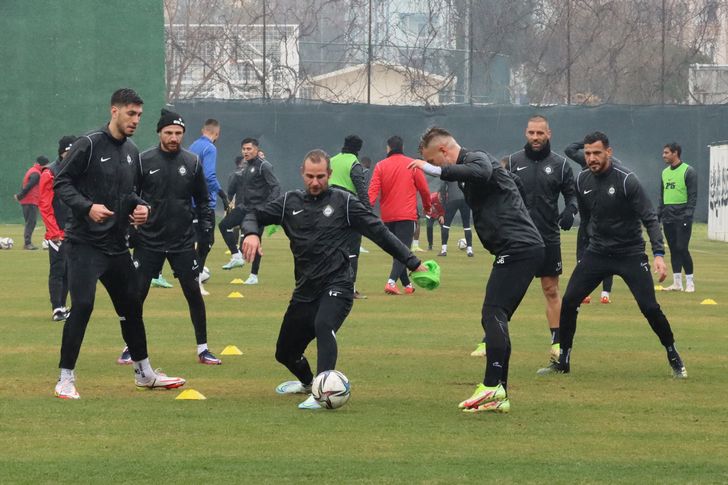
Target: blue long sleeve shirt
x=207, y=152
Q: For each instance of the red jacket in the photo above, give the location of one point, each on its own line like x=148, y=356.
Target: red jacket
x=398, y=186
x=31, y=197
x=436, y=209
x=45, y=204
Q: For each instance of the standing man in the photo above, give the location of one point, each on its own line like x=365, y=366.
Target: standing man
x=318, y=223
x=678, y=196
x=256, y=185
x=170, y=178
x=399, y=186
x=204, y=148
x=28, y=199
x=55, y=213
x=436, y=214
x=348, y=174
x=545, y=176
x=616, y=206
x=505, y=229
x=454, y=200
x=99, y=182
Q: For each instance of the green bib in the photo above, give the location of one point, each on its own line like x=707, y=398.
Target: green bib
x=674, y=190
x=341, y=171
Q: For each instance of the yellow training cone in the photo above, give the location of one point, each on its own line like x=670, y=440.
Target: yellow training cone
x=708, y=301
x=236, y=281
x=235, y=294
x=191, y=395
x=659, y=288
x=231, y=350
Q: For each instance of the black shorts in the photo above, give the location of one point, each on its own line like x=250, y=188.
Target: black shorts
x=184, y=264
x=551, y=265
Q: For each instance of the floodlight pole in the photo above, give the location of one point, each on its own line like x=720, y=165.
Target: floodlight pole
x=265, y=90
x=568, y=51
x=662, y=62
x=369, y=57
x=470, y=51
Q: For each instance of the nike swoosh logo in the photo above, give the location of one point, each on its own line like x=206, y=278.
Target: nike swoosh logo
x=587, y=191
x=105, y=159
x=154, y=171
x=518, y=169
x=297, y=212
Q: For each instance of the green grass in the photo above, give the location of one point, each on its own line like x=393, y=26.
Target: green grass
x=619, y=417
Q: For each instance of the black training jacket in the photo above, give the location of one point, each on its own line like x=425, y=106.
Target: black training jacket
x=169, y=182
x=254, y=184
x=319, y=230
x=614, y=205
x=499, y=214
x=100, y=169
x=543, y=181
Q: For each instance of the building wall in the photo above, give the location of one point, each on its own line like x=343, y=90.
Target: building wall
x=61, y=60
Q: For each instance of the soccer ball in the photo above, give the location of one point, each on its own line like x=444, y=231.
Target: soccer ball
x=462, y=244
x=6, y=243
x=331, y=389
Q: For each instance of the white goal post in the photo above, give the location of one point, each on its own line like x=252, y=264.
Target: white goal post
x=718, y=192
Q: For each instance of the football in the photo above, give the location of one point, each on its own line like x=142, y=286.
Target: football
x=331, y=389
x=6, y=243
x=462, y=244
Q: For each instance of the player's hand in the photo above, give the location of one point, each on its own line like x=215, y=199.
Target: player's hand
x=15, y=196
x=99, y=213
x=140, y=215
x=416, y=164
x=441, y=220
x=566, y=219
x=660, y=268
x=251, y=247
x=420, y=268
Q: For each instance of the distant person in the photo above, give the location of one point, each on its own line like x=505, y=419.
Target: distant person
x=614, y=204
x=318, y=223
x=204, y=148
x=234, y=191
x=98, y=182
x=398, y=185
x=348, y=174
x=28, y=199
x=436, y=214
x=678, y=197
x=454, y=201
x=256, y=185
x=55, y=214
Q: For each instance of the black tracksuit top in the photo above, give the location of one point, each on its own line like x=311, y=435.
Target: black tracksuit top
x=614, y=205
x=543, y=181
x=499, y=214
x=168, y=182
x=319, y=230
x=254, y=184
x=100, y=169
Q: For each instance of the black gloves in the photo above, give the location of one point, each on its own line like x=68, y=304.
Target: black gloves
x=566, y=219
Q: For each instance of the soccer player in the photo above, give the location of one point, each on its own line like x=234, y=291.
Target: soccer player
x=436, y=214
x=545, y=176
x=98, y=182
x=398, y=187
x=318, y=223
x=575, y=151
x=170, y=178
x=28, y=200
x=204, y=148
x=505, y=229
x=348, y=174
x=54, y=214
x=454, y=202
x=256, y=185
x=614, y=203
x=678, y=196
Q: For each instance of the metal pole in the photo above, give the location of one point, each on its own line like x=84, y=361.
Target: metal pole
x=470, y=51
x=265, y=90
x=568, y=51
x=662, y=62
x=369, y=58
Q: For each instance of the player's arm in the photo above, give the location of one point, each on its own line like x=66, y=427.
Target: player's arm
x=272, y=212
x=575, y=151
x=661, y=201
x=691, y=182
x=374, y=185
x=359, y=179
x=271, y=180
x=77, y=160
x=642, y=206
x=422, y=188
x=45, y=205
x=32, y=182
x=364, y=221
x=201, y=196
x=566, y=218
x=209, y=165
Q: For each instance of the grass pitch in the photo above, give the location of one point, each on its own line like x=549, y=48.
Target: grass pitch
x=618, y=417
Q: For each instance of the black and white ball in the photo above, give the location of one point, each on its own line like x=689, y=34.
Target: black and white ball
x=331, y=389
x=462, y=244
x=6, y=243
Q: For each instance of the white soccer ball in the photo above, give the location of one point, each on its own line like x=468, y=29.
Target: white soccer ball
x=6, y=243
x=331, y=389
x=462, y=244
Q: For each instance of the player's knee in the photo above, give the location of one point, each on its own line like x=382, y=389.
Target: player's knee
x=653, y=313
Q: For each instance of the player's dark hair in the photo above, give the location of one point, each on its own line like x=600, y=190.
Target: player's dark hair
x=595, y=137
x=211, y=123
x=538, y=117
x=674, y=148
x=253, y=141
x=125, y=96
x=431, y=134
x=395, y=144
x=318, y=156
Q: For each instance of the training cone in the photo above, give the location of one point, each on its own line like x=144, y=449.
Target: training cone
x=231, y=350
x=191, y=395
x=236, y=281
x=235, y=294
x=227, y=252
x=708, y=301
x=659, y=288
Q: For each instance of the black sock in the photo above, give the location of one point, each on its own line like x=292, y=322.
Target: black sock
x=555, y=336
